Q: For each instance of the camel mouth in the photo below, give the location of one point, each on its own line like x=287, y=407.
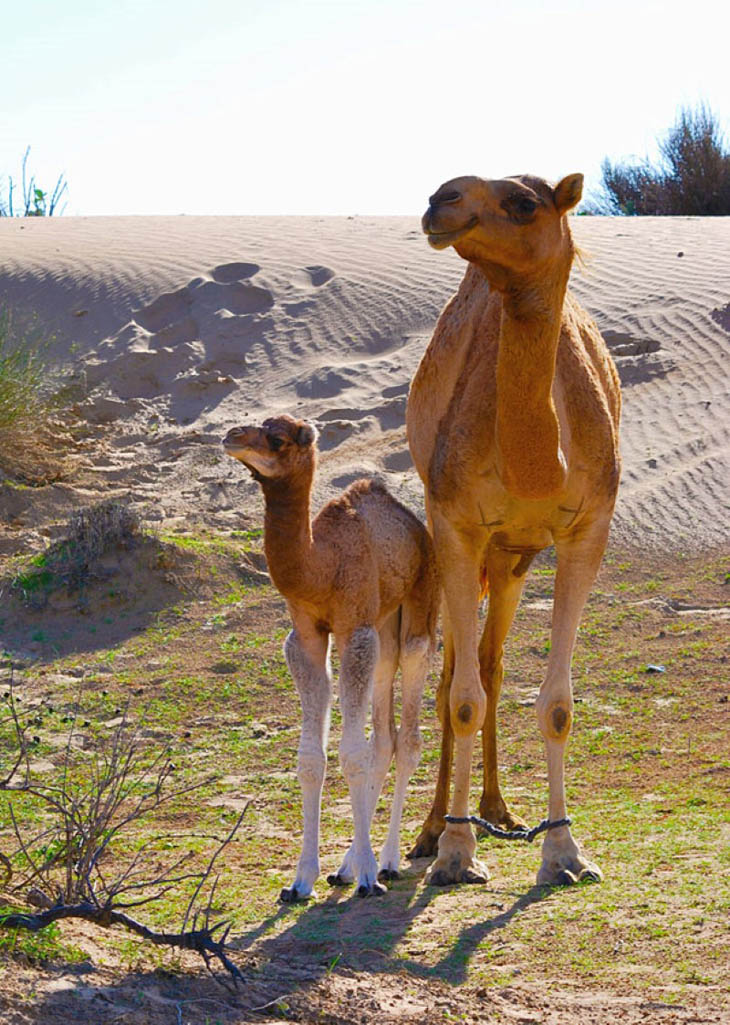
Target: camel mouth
x=238, y=447
x=442, y=239
x=232, y=445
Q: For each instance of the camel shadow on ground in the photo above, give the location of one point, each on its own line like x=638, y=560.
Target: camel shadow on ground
x=384, y=934
x=290, y=955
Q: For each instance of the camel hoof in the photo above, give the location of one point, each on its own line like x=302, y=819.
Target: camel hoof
x=374, y=890
x=335, y=879
x=290, y=895
x=426, y=845
x=579, y=872
x=387, y=875
x=453, y=874
x=590, y=875
x=498, y=815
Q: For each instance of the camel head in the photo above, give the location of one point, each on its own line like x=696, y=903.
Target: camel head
x=510, y=227
x=281, y=448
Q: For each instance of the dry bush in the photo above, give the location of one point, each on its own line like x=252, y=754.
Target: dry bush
x=81, y=864
x=33, y=438
x=35, y=201
x=692, y=178
x=69, y=563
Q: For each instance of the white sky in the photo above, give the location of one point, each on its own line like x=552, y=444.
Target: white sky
x=340, y=106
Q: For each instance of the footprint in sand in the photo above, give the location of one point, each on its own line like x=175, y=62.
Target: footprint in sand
x=397, y=462
x=314, y=276
x=321, y=384
x=227, y=273
x=236, y=297
x=334, y=433
x=623, y=344
x=721, y=316
x=168, y=308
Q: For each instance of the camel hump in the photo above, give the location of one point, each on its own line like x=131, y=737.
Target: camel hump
x=371, y=494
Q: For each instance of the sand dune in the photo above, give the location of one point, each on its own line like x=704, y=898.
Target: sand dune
x=177, y=328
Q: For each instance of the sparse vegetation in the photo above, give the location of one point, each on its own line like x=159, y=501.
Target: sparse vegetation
x=22, y=380
x=73, y=850
x=207, y=678
x=34, y=437
x=69, y=563
x=692, y=177
x=33, y=200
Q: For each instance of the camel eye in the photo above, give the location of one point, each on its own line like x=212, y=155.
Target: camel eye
x=519, y=208
x=275, y=443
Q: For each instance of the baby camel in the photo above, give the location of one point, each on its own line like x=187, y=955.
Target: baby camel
x=364, y=571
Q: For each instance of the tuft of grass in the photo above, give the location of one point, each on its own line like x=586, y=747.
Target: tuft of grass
x=34, y=435
x=45, y=945
x=22, y=380
x=68, y=563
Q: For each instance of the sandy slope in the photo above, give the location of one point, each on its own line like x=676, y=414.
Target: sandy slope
x=180, y=327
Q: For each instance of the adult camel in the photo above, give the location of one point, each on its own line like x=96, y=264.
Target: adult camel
x=513, y=427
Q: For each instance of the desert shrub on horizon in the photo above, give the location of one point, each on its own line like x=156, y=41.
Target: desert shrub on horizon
x=36, y=202
x=691, y=178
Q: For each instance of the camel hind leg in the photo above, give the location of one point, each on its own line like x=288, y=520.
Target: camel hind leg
x=427, y=842
x=383, y=738
x=506, y=576
x=358, y=658
x=416, y=647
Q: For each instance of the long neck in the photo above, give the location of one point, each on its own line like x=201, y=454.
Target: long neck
x=530, y=460
x=288, y=542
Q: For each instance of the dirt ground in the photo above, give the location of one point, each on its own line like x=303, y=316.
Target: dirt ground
x=183, y=628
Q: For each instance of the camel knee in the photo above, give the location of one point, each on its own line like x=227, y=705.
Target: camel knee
x=355, y=761
x=295, y=655
x=416, y=653
x=491, y=672
x=360, y=656
x=408, y=747
x=311, y=766
x=467, y=708
x=555, y=718
x=383, y=742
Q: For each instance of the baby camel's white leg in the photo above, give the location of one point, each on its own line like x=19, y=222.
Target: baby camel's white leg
x=307, y=655
x=414, y=662
x=359, y=656
x=382, y=740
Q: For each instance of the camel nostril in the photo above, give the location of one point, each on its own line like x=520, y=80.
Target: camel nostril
x=449, y=197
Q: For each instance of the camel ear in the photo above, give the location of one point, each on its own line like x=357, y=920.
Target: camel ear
x=306, y=435
x=568, y=192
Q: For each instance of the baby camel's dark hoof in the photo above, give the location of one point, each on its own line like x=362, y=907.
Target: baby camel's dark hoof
x=289, y=895
x=376, y=890
x=335, y=879
x=387, y=875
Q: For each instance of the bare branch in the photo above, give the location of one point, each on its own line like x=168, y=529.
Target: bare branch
x=212, y=862
x=199, y=940
x=88, y=817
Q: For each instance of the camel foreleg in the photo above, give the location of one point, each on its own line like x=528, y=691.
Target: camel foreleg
x=578, y=562
x=415, y=658
x=306, y=654
x=359, y=656
x=383, y=737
